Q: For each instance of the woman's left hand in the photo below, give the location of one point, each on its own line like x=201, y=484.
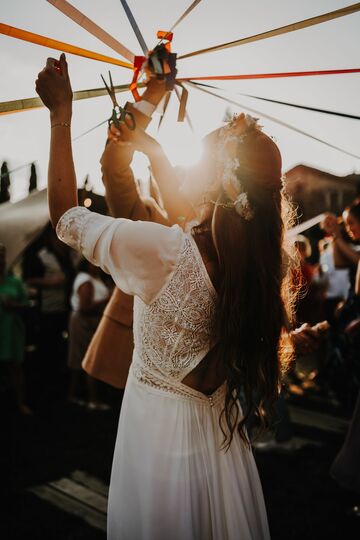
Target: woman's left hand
x=54, y=88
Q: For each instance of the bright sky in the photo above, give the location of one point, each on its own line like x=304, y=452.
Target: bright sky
x=331, y=45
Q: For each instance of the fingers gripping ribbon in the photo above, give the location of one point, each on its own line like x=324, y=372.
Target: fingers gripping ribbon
x=160, y=63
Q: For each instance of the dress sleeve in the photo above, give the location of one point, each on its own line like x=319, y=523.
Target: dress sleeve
x=140, y=256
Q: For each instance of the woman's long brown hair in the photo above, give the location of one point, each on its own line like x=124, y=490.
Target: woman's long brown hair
x=254, y=303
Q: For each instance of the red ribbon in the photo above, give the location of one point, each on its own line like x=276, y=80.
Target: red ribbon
x=139, y=61
x=161, y=34
x=270, y=75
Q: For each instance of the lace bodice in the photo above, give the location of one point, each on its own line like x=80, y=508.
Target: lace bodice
x=174, y=297
x=174, y=333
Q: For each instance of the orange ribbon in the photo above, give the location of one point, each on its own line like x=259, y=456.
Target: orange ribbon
x=139, y=62
x=18, y=33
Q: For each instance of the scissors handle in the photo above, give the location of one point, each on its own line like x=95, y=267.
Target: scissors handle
x=122, y=115
x=129, y=119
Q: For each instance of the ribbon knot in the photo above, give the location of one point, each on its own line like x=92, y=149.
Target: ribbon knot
x=160, y=62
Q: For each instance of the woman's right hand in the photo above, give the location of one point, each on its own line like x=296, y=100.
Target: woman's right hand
x=54, y=88
x=136, y=139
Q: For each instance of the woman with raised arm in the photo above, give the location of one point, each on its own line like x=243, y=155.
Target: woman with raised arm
x=208, y=313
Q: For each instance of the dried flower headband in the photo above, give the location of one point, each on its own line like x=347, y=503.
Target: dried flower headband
x=229, y=138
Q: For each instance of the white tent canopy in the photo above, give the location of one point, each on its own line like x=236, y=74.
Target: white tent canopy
x=22, y=222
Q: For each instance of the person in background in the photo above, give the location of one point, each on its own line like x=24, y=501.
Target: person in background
x=88, y=299
x=309, y=308
x=337, y=280
x=343, y=360
x=47, y=269
x=346, y=254
x=304, y=249
x=346, y=467
x=13, y=299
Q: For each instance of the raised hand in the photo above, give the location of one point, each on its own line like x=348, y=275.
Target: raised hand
x=54, y=88
x=330, y=225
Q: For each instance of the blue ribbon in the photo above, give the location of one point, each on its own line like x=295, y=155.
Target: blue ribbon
x=135, y=27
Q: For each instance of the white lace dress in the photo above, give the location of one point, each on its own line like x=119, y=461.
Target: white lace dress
x=170, y=480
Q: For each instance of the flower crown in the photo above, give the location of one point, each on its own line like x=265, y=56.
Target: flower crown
x=229, y=139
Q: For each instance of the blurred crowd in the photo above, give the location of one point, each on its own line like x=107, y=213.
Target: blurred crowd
x=51, y=304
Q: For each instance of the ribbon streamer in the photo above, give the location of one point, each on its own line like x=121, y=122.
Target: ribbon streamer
x=166, y=103
x=185, y=14
x=305, y=108
x=138, y=62
x=167, y=100
x=279, y=31
x=135, y=27
x=186, y=113
x=89, y=130
x=79, y=18
x=271, y=75
x=18, y=33
x=160, y=62
x=20, y=105
x=180, y=19
x=273, y=119
x=183, y=102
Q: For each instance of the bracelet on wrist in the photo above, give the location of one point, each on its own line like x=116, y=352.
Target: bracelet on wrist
x=60, y=124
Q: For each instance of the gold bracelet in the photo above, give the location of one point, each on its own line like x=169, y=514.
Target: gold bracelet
x=64, y=124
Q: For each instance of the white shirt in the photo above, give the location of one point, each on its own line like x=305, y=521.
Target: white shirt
x=53, y=298
x=101, y=292
x=338, y=278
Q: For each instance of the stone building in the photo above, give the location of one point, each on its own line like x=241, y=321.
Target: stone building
x=315, y=192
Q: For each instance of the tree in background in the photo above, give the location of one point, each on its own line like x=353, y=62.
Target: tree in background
x=4, y=183
x=33, y=178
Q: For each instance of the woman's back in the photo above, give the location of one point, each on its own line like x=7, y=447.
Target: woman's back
x=209, y=374
x=173, y=334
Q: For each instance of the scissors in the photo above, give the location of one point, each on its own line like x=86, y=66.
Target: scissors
x=118, y=113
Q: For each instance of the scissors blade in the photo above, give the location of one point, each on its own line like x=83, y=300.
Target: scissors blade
x=110, y=91
x=111, y=82
x=106, y=86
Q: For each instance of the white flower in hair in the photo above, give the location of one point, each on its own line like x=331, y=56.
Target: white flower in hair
x=243, y=207
x=228, y=142
x=229, y=178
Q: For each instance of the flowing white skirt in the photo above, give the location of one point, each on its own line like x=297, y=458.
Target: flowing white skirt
x=169, y=479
